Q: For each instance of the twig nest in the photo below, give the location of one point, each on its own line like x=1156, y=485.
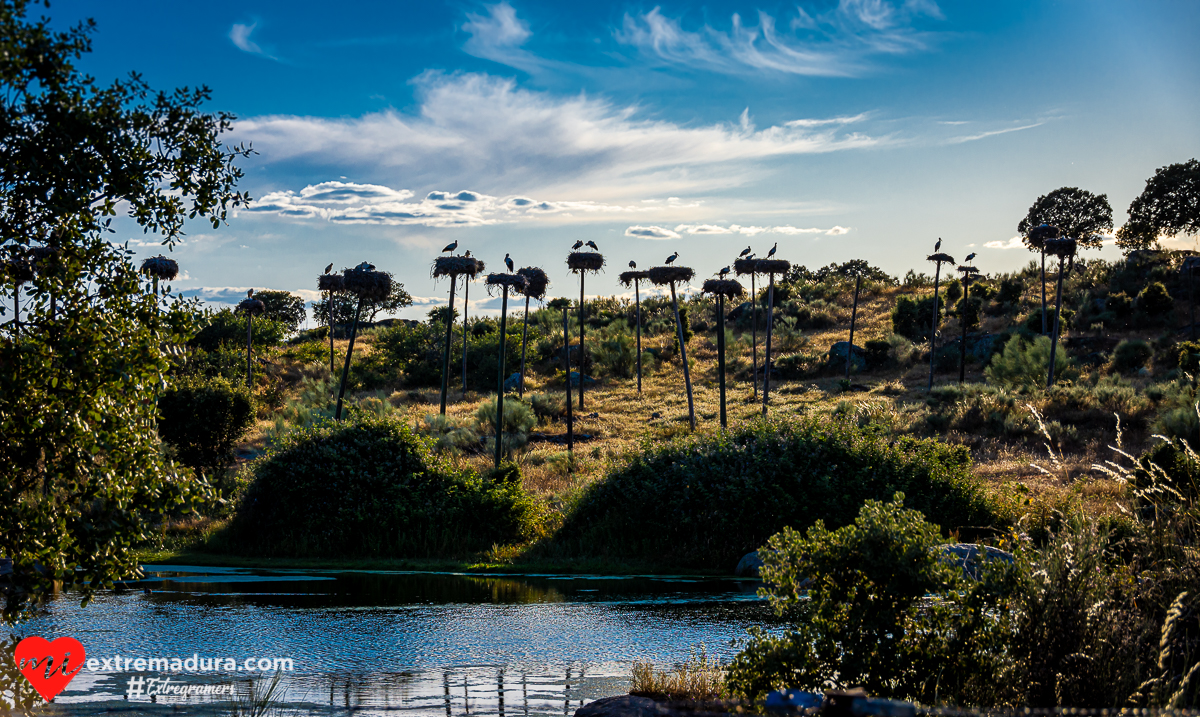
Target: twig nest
x=331, y=282
x=515, y=282
x=254, y=307
x=455, y=266
x=728, y=288
x=536, y=282
x=661, y=275
x=1043, y=233
x=18, y=271
x=742, y=267
x=560, y=303
x=773, y=266
x=585, y=261
x=1065, y=247
x=968, y=270
x=160, y=267
x=367, y=284
x=628, y=277
x=940, y=257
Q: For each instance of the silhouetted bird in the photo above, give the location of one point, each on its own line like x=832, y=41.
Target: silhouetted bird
x=970, y=257
x=365, y=267
x=744, y=252
x=772, y=252
x=671, y=259
x=632, y=264
x=467, y=252
x=329, y=268
x=508, y=262
x=938, y=246
x=592, y=244
x=577, y=244
x=723, y=272
x=451, y=247
x=749, y=257
x=249, y=293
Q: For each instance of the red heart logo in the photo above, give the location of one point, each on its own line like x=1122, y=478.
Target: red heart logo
x=49, y=666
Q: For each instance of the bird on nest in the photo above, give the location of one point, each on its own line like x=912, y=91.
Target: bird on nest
x=508, y=262
x=772, y=252
x=467, y=254
x=250, y=293
x=970, y=257
x=592, y=244
x=671, y=259
x=576, y=245
x=632, y=264
x=723, y=272
x=368, y=267
x=744, y=252
x=329, y=268
x=938, y=246
x=451, y=247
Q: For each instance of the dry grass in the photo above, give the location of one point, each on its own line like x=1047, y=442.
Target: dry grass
x=700, y=679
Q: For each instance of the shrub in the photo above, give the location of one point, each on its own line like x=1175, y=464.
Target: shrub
x=1131, y=355
x=1120, y=304
x=519, y=419
x=1155, y=302
x=226, y=330
x=877, y=353
x=1025, y=363
x=954, y=291
x=1011, y=291
x=1033, y=322
x=706, y=501
x=614, y=349
x=968, y=310
x=1189, y=357
x=913, y=318
x=450, y=434
x=370, y=486
x=204, y=418
x=547, y=406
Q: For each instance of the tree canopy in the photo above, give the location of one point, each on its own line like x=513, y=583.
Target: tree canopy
x=1168, y=206
x=1078, y=214
x=284, y=307
x=82, y=473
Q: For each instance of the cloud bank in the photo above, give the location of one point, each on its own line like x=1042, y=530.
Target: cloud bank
x=654, y=232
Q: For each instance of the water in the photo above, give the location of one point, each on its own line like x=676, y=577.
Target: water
x=376, y=642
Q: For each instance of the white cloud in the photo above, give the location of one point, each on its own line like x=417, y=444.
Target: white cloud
x=498, y=36
x=753, y=230
x=993, y=133
x=1013, y=243
x=240, y=33
x=651, y=233
x=481, y=131
x=840, y=42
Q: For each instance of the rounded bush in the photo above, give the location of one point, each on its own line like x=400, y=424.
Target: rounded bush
x=371, y=486
x=706, y=501
x=204, y=418
x=1131, y=355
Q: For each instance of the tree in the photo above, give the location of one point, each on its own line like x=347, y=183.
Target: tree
x=1078, y=214
x=343, y=305
x=284, y=307
x=1169, y=205
x=396, y=299
x=82, y=474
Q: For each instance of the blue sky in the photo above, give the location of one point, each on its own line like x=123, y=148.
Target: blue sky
x=841, y=130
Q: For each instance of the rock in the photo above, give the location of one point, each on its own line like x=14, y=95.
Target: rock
x=858, y=355
x=620, y=706
x=748, y=566
x=972, y=556
x=587, y=380
x=593, y=414
x=656, y=414
x=513, y=382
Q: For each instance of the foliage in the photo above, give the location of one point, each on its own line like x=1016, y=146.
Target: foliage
x=913, y=318
x=954, y=291
x=1189, y=357
x=397, y=299
x=614, y=350
x=283, y=307
x=1169, y=205
x=849, y=269
x=450, y=434
x=547, y=406
x=1033, y=322
x=1155, y=302
x=82, y=475
x=1011, y=290
x=1078, y=213
x=1025, y=362
x=519, y=420
x=204, y=418
x=709, y=500
x=968, y=311
x=699, y=678
x=685, y=323
x=1131, y=355
x=370, y=486
x=226, y=330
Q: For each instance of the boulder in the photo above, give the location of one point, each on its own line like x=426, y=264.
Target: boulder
x=971, y=557
x=858, y=355
x=749, y=565
x=513, y=382
x=620, y=706
x=587, y=380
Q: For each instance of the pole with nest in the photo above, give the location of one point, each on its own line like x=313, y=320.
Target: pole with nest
x=669, y=276
x=581, y=262
x=516, y=282
x=331, y=284
x=938, y=259
x=634, y=278
x=968, y=272
x=722, y=289
x=771, y=267
x=453, y=267
x=742, y=267
x=466, y=308
x=1065, y=249
x=536, y=282
x=565, y=305
x=368, y=285
x=251, y=307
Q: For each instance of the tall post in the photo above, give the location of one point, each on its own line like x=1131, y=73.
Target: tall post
x=449, y=328
x=1057, y=318
x=466, y=305
x=1043, y=289
x=853, y=316
x=753, y=336
x=687, y=376
x=582, y=362
x=337, y=416
x=500, y=378
x=524, y=345
x=962, y=317
x=567, y=370
x=767, y=355
x=16, y=322
x=637, y=299
x=721, y=352
x=937, y=275
x=1191, y=274
x=329, y=311
x=249, y=338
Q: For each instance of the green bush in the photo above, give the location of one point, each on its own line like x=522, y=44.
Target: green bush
x=877, y=353
x=1131, y=355
x=371, y=487
x=519, y=419
x=968, y=310
x=614, y=349
x=913, y=318
x=1033, y=322
x=548, y=406
x=954, y=291
x=1011, y=291
x=1025, y=363
x=204, y=418
x=706, y=501
x=225, y=329
x=1155, y=302
x=1189, y=357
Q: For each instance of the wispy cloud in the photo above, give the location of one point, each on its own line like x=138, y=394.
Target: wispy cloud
x=992, y=133
x=483, y=132
x=753, y=230
x=240, y=33
x=651, y=233
x=498, y=36
x=1013, y=243
x=840, y=42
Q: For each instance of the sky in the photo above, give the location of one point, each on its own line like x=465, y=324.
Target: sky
x=836, y=130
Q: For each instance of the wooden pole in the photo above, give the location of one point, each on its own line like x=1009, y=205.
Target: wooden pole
x=449, y=328
x=249, y=338
x=329, y=312
x=582, y=355
x=962, y=316
x=637, y=298
x=1057, y=324
x=767, y=354
x=524, y=344
x=567, y=369
x=1192, y=297
x=853, y=316
x=753, y=336
x=500, y=378
x=466, y=305
x=1043, y=290
x=337, y=416
x=687, y=376
x=721, y=352
x=937, y=275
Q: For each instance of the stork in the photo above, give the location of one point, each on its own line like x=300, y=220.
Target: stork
x=671, y=259
x=744, y=252
x=970, y=257
x=723, y=272
x=938, y=246
x=632, y=264
x=451, y=247
x=329, y=268
x=576, y=245
x=508, y=262
x=772, y=252
x=592, y=244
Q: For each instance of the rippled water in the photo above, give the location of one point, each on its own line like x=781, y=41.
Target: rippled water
x=378, y=641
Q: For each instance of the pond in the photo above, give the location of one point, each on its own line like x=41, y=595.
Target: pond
x=376, y=642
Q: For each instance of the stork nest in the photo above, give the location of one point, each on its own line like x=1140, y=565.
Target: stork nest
x=670, y=274
x=160, y=267
x=18, y=271
x=1065, y=247
x=254, y=307
x=728, y=288
x=742, y=267
x=506, y=282
x=585, y=261
x=536, y=282
x=559, y=303
x=331, y=282
x=940, y=257
x=628, y=277
x=1043, y=233
x=454, y=266
x=968, y=270
x=773, y=266
x=367, y=284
